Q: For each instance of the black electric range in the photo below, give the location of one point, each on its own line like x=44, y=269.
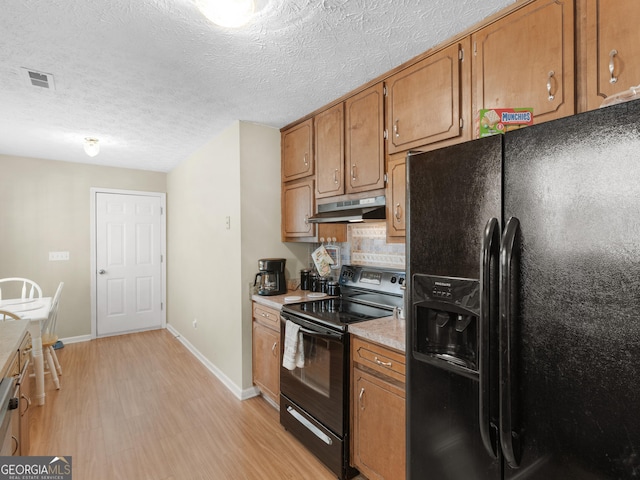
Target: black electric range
x=366, y=293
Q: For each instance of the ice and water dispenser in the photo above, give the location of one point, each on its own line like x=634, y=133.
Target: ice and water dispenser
x=446, y=313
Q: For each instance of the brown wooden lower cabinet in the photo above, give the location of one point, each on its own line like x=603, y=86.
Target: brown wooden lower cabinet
x=266, y=352
x=378, y=447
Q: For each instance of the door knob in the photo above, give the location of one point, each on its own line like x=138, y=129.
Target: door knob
x=102, y=272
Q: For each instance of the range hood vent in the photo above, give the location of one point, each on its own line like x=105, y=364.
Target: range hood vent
x=361, y=210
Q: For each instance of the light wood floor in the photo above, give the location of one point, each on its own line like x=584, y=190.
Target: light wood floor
x=140, y=406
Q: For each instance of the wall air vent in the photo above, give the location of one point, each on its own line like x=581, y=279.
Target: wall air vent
x=39, y=79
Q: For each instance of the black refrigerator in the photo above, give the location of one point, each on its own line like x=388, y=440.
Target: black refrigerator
x=523, y=313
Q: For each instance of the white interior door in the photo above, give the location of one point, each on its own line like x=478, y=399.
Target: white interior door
x=128, y=263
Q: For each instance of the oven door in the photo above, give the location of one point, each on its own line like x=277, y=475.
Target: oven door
x=319, y=387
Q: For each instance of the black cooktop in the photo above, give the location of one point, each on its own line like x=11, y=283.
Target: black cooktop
x=336, y=312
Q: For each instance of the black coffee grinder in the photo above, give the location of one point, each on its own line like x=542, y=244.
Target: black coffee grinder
x=272, y=281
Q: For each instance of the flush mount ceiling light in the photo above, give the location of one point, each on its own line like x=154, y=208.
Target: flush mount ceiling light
x=227, y=13
x=91, y=146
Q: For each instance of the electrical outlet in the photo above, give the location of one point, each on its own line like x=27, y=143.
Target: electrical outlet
x=58, y=256
x=195, y=323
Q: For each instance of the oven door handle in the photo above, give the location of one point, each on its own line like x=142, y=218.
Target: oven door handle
x=319, y=334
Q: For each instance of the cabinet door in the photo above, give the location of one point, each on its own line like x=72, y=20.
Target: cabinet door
x=526, y=60
x=25, y=410
x=297, y=207
x=424, y=101
x=364, y=140
x=395, y=195
x=613, y=48
x=379, y=427
x=329, y=151
x=266, y=360
x=297, y=149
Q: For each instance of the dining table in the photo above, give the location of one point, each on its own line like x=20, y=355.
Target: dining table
x=36, y=310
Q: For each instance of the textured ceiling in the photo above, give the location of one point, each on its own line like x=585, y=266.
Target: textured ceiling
x=154, y=80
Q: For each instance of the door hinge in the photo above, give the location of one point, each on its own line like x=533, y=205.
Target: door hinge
x=461, y=54
x=385, y=135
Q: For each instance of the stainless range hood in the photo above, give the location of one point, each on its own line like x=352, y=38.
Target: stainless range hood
x=361, y=210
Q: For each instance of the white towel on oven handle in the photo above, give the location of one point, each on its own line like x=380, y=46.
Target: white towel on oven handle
x=293, y=355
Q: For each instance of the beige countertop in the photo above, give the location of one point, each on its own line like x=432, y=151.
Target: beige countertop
x=386, y=331
x=278, y=301
x=11, y=334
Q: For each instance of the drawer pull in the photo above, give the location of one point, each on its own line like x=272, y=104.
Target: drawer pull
x=380, y=362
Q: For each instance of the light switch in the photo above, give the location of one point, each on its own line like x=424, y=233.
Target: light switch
x=58, y=256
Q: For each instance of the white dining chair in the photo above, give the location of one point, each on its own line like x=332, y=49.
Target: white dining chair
x=13, y=288
x=50, y=338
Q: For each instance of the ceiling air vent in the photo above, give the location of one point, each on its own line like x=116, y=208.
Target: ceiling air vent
x=39, y=79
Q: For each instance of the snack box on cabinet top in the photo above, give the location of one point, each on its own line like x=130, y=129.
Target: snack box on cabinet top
x=492, y=121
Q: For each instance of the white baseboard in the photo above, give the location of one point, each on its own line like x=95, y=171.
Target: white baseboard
x=78, y=339
x=238, y=392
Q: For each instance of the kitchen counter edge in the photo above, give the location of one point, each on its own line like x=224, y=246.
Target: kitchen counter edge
x=11, y=334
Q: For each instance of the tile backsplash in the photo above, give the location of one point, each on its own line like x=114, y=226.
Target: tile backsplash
x=368, y=246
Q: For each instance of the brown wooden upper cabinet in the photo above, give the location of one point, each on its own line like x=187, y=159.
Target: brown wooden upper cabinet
x=364, y=141
x=526, y=59
x=329, y=151
x=298, y=203
x=424, y=101
x=297, y=151
x=395, y=196
x=613, y=48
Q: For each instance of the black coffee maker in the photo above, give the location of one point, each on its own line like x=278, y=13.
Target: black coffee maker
x=271, y=274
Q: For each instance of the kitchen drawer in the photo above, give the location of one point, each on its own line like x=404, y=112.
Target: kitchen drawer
x=266, y=316
x=376, y=357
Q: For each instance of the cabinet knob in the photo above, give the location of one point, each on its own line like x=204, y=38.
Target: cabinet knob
x=613, y=78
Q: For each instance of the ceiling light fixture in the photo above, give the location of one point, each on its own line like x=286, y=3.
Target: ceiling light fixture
x=91, y=146
x=227, y=13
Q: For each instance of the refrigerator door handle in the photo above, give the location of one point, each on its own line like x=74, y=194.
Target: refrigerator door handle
x=509, y=274
x=488, y=316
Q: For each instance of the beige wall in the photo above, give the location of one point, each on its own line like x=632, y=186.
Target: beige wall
x=44, y=207
x=237, y=174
